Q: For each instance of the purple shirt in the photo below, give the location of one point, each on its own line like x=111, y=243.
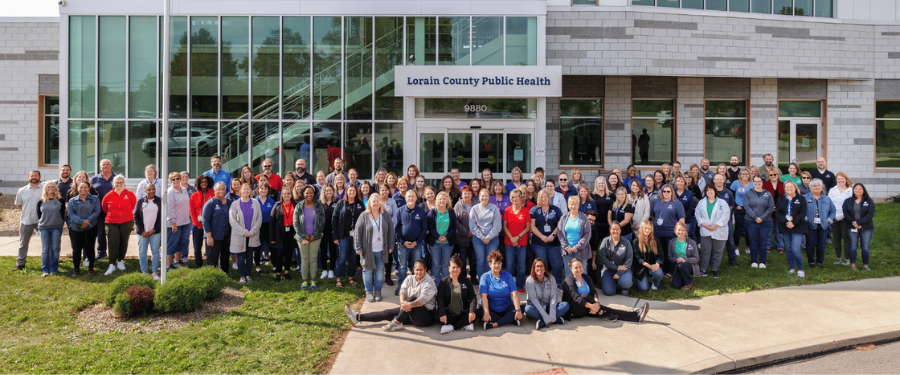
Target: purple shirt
x=247, y=210
x=503, y=204
x=309, y=218
x=463, y=183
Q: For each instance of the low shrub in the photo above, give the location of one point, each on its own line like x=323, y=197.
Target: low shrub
x=178, y=295
x=122, y=305
x=210, y=280
x=141, y=298
x=181, y=272
x=120, y=284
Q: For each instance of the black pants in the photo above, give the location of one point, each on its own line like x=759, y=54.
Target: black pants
x=417, y=316
x=579, y=311
x=263, y=239
x=462, y=320
x=739, y=229
x=198, y=239
x=287, y=251
x=101, y=234
x=389, y=264
x=83, y=241
x=662, y=244
x=219, y=253
x=503, y=317
x=328, y=251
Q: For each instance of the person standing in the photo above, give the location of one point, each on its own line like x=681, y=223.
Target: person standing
x=83, y=211
x=217, y=228
x=346, y=213
x=705, y=172
x=440, y=238
x=186, y=183
x=545, y=241
x=27, y=199
x=147, y=224
x=64, y=183
x=328, y=250
x=576, y=234
x=667, y=213
x=712, y=215
x=309, y=221
x=281, y=234
x=741, y=186
x=839, y=194
x=819, y=218
x=300, y=174
x=758, y=207
x=829, y=179
x=103, y=184
x=119, y=207
x=217, y=174
x=338, y=170
x=410, y=232
x=274, y=180
x=245, y=218
x=178, y=223
x=485, y=224
x=51, y=212
x=768, y=163
x=565, y=188
x=733, y=171
x=375, y=235
x=728, y=196
x=205, y=192
x=790, y=211
x=640, y=205
x=266, y=204
x=859, y=211
x=150, y=174
x=463, y=234
x=516, y=225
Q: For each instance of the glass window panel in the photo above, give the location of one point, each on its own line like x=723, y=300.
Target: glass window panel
x=177, y=146
x=642, y=2
x=51, y=140
x=388, y=53
x=421, y=40
x=296, y=70
x=490, y=152
x=389, y=148
x=326, y=145
x=783, y=7
x=693, y=4
x=824, y=8
x=142, y=61
x=589, y=107
x=358, y=149
x=327, y=68
x=487, y=40
x=264, y=139
x=667, y=3
x=887, y=144
x=501, y=108
x=518, y=152
x=358, y=68
x=82, y=57
x=887, y=109
x=788, y=108
x=431, y=153
x=521, y=41
x=715, y=5
x=803, y=7
x=584, y=2
x=112, y=144
x=761, y=6
x=51, y=105
x=142, y=141
x=806, y=145
x=111, y=91
x=460, y=149
x=581, y=141
x=726, y=108
x=234, y=140
x=453, y=41
x=725, y=138
x=652, y=108
x=235, y=64
x=784, y=145
x=81, y=146
x=266, y=67
x=295, y=140
x=203, y=145
x=178, y=102
x=739, y=5
x=204, y=67
x=654, y=140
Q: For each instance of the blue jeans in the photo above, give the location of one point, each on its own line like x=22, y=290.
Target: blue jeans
x=759, y=234
x=199, y=239
x=407, y=257
x=153, y=243
x=815, y=245
x=866, y=236
x=793, y=243
x=178, y=242
x=532, y=311
x=552, y=255
x=50, y=238
x=566, y=258
x=692, y=229
x=345, y=248
x=608, y=283
x=729, y=245
x=643, y=283
x=683, y=274
x=779, y=241
x=375, y=275
x=245, y=262
x=482, y=250
x=440, y=260
x=515, y=264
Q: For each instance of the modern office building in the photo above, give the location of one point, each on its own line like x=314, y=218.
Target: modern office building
x=443, y=84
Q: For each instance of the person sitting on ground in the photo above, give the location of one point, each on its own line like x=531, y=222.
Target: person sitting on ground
x=499, y=295
x=579, y=293
x=417, y=303
x=683, y=253
x=542, y=305
x=457, y=299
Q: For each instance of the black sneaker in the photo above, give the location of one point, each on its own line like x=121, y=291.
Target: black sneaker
x=287, y=276
x=734, y=264
x=610, y=317
x=278, y=278
x=100, y=257
x=715, y=274
x=170, y=268
x=397, y=292
x=388, y=281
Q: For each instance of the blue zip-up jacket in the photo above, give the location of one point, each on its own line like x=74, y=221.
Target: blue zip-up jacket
x=412, y=225
x=687, y=201
x=79, y=211
x=826, y=211
x=215, y=218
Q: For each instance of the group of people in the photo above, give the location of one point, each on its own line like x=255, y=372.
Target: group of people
x=624, y=230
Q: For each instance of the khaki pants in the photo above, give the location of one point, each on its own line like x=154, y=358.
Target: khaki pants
x=309, y=254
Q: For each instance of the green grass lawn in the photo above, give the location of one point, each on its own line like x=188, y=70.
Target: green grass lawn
x=279, y=328
x=884, y=260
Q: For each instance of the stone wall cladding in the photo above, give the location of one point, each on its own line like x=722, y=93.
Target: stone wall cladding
x=789, y=88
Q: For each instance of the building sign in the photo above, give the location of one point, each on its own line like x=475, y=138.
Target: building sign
x=478, y=81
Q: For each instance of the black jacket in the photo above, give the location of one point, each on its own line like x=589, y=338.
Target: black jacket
x=139, y=224
x=432, y=235
x=570, y=290
x=343, y=220
x=867, y=211
x=276, y=226
x=467, y=291
x=328, y=231
x=797, y=208
x=637, y=264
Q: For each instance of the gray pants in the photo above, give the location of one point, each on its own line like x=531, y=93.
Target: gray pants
x=710, y=247
x=25, y=233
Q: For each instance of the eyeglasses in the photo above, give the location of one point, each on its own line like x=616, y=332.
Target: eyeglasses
x=267, y=166
x=773, y=175
x=176, y=179
x=564, y=179
x=805, y=178
x=667, y=192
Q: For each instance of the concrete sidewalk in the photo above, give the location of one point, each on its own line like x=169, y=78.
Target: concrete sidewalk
x=712, y=334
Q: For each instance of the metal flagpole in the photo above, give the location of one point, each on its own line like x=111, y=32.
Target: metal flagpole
x=163, y=151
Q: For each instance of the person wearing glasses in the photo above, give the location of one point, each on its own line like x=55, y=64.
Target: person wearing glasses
x=216, y=172
x=759, y=204
x=775, y=187
x=740, y=186
x=275, y=182
x=178, y=223
x=667, y=212
x=564, y=188
x=805, y=179
x=790, y=211
x=819, y=217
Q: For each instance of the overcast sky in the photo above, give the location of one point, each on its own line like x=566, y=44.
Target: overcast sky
x=29, y=8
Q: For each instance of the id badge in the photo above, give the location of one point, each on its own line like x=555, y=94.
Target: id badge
x=546, y=228
x=817, y=220
x=659, y=221
x=853, y=230
x=287, y=229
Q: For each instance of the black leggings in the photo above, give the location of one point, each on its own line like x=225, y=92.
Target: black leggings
x=579, y=311
x=328, y=250
x=503, y=317
x=281, y=258
x=462, y=320
x=417, y=316
x=198, y=238
x=219, y=253
x=83, y=241
x=263, y=239
x=739, y=229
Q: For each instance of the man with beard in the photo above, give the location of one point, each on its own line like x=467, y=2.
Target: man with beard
x=301, y=175
x=728, y=196
x=64, y=183
x=821, y=172
x=275, y=182
x=768, y=163
x=705, y=172
x=338, y=169
x=216, y=172
x=103, y=184
x=27, y=199
x=733, y=170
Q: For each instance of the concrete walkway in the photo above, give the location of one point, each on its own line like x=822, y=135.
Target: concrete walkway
x=705, y=335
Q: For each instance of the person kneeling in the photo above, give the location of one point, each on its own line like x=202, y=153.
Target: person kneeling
x=457, y=301
x=683, y=252
x=542, y=305
x=579, y=293
x=417, y=303
x=499, y=295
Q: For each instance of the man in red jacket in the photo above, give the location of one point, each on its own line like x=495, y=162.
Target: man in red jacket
x=274, y=181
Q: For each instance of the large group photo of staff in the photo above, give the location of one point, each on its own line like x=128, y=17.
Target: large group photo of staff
x=543, y=241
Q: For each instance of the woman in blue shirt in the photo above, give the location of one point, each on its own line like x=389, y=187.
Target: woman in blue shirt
x=575, y=232
x=579, y=293
x=585, y=201
x=741, y=187
x=686, y=197
x=266, y=203
x=544, y=240
x=499, y=294
x=666, y=213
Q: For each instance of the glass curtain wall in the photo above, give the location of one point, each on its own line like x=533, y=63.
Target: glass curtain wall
x=726, y=128
x=111, y=89
x=817, y=8
x=235, y=66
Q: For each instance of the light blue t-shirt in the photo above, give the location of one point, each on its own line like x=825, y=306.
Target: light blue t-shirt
x=739, y=192
x=497, y=290
x=573, y=231
x=583, y=288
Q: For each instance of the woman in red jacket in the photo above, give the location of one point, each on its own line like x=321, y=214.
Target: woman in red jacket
x=118, y=205
x=205, y=192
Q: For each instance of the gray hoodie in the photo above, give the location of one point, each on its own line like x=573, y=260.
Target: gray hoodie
x=484, y=221
x=758, y=205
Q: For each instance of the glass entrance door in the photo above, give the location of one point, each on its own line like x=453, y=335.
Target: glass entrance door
x=472, y=151
x=799, y=140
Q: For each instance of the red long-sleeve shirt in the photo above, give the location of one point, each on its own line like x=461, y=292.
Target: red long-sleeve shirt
x=198, y=199
x=119, y=208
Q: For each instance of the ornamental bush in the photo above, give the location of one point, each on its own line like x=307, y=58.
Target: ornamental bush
x=178, y=295
x=120, y=284
x=122, y=305
x=141, y=298
x=210, y=280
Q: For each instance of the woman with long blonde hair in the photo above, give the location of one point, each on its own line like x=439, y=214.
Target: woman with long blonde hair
x=647, y=262
x=51, y=217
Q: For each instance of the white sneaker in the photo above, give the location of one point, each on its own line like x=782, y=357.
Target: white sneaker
x=392, y=327
x=155, y=276
x=801, y=274
x=762, y=265
x=120, y=265
x=653, y=287
x=324, y=274
x=846, y=262
x=330, y=274
x=234, y=266
x=86, y=263
x=754, y=265
x=446, y=328
x=791, y=272
x=110, y=271
x=747, y=250
x=470, y=327
x=737, y=252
